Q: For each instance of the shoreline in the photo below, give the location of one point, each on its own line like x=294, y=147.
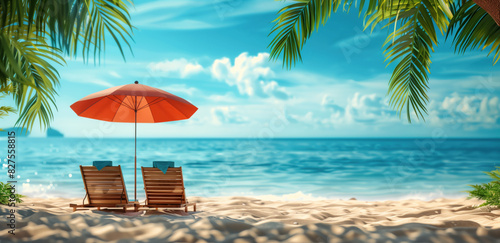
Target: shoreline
x=298, y=196
x=250, y=219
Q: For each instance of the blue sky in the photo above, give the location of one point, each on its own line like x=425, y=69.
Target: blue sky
x=214, y=54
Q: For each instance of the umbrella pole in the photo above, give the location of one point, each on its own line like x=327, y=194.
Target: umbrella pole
x=135, y=160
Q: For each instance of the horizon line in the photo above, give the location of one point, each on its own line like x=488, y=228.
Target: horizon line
x=266, y=138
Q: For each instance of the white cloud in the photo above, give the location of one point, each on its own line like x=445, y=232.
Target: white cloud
x=92, y=80
x=191, y=15
x=359, y=109
x=458, y=112
x=469, y=112
x=226, y=98
x=250, y=74
x=180, y=15
x=114, y=74
x=272, y=89
x=100, y=83
x=86, y=77
x=317, y=120
x=226, y=114
x=155, y=19
x=328, y=103
x=179, y=88
x=454, y=57
x=369, y=108
x=175, y=68
x=307, y=118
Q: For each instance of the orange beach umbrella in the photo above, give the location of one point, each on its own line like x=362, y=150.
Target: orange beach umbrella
x=135, y=103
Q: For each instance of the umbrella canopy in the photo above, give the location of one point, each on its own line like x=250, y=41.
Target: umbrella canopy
x=120, y=104
x=134, y=103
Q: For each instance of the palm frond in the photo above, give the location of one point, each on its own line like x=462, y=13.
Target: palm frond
x=35, y=33
x=297, y=21
x=473, y=28
x=71, y=25
x=5, y=110
x=410, y=45
x=5, y=90
x=295, y=25
x=27, y=61
x=111, y=17
x=415, y=26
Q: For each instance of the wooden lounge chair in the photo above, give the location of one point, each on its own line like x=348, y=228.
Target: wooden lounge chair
x=105, y=188
x=165, y=190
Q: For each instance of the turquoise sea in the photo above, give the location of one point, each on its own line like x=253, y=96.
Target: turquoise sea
x=367, y=169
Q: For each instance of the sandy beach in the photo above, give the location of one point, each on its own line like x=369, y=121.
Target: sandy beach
x=246, y=219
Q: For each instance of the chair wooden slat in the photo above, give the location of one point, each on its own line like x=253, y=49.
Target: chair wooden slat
x=159, y=173
x=179, y=192
x=163, y=187
x=107, y=168
x=164, y=184
x=109, y=179
x=107, y=201
x=93, y=191
x=104, y=183
x=163, y=177
x=164, y=190
x=106, y=196
x=165, y=201
x=105, y=188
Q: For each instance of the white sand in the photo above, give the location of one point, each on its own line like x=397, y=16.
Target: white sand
x=245, y=219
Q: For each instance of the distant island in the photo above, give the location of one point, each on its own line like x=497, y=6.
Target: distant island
x=51, y=132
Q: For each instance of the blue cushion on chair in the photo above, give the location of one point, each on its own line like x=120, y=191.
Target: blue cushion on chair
x=101, y=164
x=163, y=165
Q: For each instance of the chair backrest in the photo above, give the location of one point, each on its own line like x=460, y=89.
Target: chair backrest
x=164, y=189
x=105, y=186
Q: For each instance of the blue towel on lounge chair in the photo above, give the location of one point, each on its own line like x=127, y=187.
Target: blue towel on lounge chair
x=101, y=164
x=163, y=165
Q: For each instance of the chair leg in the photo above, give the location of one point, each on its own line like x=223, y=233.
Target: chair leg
x=98, y=208
x=186, y=209
x=74, y=209
x=194, y=207
x=136, y=207
x=124, y=209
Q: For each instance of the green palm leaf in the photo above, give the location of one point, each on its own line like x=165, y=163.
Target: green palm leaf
x=474, y=29
x=34, y=34
x=410, y=45
x=33, y=78
x=71, y=23
x=295, y=25
x=5, y=110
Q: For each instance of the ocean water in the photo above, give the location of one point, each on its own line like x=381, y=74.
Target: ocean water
x=367, y=169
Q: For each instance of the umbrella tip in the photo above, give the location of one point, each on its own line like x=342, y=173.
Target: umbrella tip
x=136, y=82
